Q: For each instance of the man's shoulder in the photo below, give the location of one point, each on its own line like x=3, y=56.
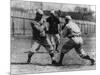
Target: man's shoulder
x=72, y=23
x=48, y=19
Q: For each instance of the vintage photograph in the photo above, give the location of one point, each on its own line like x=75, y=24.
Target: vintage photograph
x=52, y=37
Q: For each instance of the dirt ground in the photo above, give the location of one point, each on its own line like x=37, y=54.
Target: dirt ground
x=41, y=62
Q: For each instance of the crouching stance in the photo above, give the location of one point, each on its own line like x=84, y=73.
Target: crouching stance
x=40, y=38
x=74, y=40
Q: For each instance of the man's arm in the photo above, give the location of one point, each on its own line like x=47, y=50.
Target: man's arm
x=66, y=32
x=48, y=19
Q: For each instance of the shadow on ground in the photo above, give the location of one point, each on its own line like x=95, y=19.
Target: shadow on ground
x=39, y=64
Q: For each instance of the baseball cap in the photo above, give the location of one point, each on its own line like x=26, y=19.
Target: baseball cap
x=68, y=17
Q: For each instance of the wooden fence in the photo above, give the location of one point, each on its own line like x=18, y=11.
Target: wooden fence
x=21, y=26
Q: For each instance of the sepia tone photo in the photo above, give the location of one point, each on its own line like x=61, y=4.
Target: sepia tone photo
x=52, y=37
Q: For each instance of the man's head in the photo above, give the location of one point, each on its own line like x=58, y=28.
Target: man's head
x=67, y=19
x=52, y=13
x=59, y=12
x=39, y=11
x=39, y=14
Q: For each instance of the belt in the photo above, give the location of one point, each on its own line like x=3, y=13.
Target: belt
x=77, y=35
x=70, y=36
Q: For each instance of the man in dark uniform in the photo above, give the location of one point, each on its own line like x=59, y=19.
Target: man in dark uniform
x=39, y=36
x=53, y=32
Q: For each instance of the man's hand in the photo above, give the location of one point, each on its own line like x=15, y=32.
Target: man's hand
x=43, y=33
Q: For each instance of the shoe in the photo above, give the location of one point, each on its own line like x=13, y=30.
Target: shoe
x=54, y=62
x=29, y=56
x=92, y=62
x=60, y=64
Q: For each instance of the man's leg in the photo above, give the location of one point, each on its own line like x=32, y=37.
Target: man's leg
x=49, y=43
x=51, y=53
x=53, y=61
x=84, y=55
x=65, y=49
x=57, y=41
x=78, y=47
x=50, y=48
x=52, y=39
x=35, y=48
x=61, y=58
x=58, y=37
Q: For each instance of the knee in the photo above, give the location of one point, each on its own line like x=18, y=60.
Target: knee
x=81, y=53
x=51, y=53
x=51, y=47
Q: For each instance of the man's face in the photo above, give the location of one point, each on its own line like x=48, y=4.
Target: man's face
x=67, y=21
x=62, y=20
x=52, y=14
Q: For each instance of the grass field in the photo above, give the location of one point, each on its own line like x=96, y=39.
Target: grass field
x=41, y=62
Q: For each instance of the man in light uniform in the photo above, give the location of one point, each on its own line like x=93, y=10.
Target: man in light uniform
x=72, y=33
